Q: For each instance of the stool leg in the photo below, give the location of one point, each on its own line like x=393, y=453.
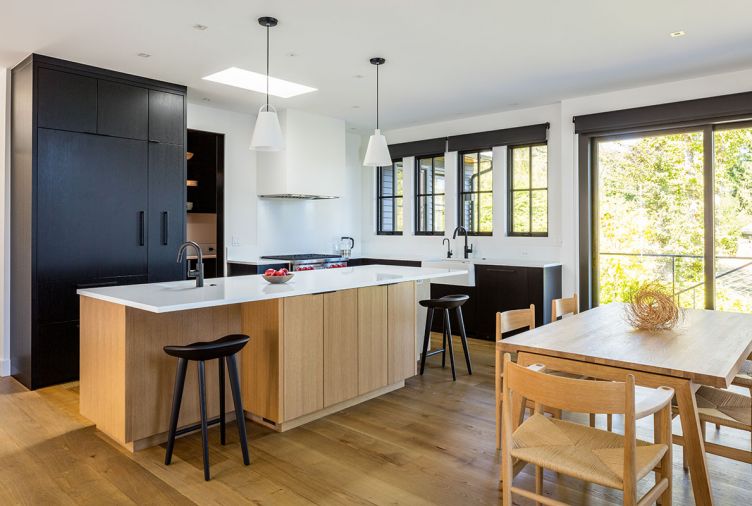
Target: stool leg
x=426, y=339
x=177, y=396
x=202, y=403
x=237, y=401
x=221, y=368
x=448, y=333
x=443, y=346
x=463, y=336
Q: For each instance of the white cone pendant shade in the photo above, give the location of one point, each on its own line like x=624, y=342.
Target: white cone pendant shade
x=267, y=135
x=377, y=153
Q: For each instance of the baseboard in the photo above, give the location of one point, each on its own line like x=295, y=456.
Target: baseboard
x=5, y=367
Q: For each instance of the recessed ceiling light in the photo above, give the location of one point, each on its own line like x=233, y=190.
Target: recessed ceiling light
x=358, y=76
x=292, y=54
x=678, y=33
x=200, y=27
x=254, y=81
x=206, y=99
x=356, y=107
x=144, y=55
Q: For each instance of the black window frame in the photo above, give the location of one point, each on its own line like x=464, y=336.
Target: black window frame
x=461, y=192
x=510, y=191
x=380, y=196
x=417, y=195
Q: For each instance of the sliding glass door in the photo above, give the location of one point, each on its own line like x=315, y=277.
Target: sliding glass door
x=656, y=196
x=650, y=214
x=733, y=218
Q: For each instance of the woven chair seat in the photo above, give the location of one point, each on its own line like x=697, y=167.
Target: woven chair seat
x=724, y=407
x=744, y=377
x=583, y=452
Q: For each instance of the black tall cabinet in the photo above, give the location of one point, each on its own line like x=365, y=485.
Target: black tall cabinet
x=97, y=199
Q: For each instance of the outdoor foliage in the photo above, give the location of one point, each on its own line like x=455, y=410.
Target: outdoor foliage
x=650, y=211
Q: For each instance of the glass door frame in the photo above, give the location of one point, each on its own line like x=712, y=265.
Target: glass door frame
x=588, y=200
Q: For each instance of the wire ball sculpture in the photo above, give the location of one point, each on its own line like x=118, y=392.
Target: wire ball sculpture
x=651, y=307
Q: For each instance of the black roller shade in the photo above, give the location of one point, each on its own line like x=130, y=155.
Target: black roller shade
x=724, y=107
x=531, y=134
x=418, y=148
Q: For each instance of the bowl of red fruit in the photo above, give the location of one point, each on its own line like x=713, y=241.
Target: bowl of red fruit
x=276, y=277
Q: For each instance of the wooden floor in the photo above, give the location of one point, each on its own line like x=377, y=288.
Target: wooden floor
x=429, y=443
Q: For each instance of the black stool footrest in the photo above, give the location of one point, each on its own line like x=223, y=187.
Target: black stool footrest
x=197, y=426
x=435, y=352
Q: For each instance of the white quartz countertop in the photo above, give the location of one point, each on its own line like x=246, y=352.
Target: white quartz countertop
x=510, y=262
x=182, y=295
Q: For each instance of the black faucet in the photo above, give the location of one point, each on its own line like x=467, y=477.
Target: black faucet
x=198, y=273
x=461, y=229
x=449, y=246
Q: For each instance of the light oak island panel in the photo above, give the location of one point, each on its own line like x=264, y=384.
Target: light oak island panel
x=308, y=356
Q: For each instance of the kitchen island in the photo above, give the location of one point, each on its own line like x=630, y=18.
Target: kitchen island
x=320, y=343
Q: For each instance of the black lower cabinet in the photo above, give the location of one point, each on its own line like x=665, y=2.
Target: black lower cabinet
x=502, y=288
x=238, y=269
x=55, y=353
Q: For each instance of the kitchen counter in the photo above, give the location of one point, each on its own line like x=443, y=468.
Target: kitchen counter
x=182, y=295
x=324, y=341
x=419, y=258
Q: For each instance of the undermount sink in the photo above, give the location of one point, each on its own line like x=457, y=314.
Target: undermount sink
x=459, y=264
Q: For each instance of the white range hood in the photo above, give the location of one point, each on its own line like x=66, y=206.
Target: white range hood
x=312, y=165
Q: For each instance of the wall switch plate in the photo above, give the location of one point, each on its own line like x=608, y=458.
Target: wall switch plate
x=235, y=241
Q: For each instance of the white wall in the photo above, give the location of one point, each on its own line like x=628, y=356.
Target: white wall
x=240, y=169
x=256, y=226
x=5, y=221
x=561, y=245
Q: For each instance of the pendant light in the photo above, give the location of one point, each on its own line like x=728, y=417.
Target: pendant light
x=377, y=153
x=267, y=136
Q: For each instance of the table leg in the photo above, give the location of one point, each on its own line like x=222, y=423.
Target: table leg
x=693, y=443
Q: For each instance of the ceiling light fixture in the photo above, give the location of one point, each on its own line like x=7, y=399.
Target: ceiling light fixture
x=678, y=33
x=144, y=55
x=267, y=135
x=200, y=27
x=377, y=153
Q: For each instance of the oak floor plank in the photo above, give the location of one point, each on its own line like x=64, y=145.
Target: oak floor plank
x=431, y=442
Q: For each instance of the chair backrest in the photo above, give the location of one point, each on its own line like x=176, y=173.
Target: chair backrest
x=515, y=319
x=565, y=306
x=522, y=384
x=581, y=396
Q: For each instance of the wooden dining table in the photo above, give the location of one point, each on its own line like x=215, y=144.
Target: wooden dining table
x=705, y=348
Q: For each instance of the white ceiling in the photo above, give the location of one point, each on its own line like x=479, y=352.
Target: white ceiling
x=445, y=58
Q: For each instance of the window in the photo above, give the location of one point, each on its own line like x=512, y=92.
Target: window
x=389, y=199
x=476, y=192
x=528, y=191
x=429, y=195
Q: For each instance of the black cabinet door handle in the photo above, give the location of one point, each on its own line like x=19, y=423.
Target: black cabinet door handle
x=141, y=228
x=165, y=229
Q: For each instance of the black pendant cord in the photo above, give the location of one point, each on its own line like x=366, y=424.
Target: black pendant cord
x=267, y=68
x=377, y=97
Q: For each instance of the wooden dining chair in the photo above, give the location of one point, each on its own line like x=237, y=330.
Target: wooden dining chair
x=508, y=321
x=567, y=306
x=593, y=455
x=562, y=307
x=726, y=408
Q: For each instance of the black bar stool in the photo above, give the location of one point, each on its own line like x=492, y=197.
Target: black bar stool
x=445, y=304
x=222, y=348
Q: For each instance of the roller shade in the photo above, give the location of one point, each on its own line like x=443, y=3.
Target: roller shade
x=418, y=148
x=531, y=134
x=703, y=110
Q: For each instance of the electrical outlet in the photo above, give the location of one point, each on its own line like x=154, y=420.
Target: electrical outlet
x=235, y=241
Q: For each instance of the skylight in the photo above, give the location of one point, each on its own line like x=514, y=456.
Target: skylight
x=254, y=81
